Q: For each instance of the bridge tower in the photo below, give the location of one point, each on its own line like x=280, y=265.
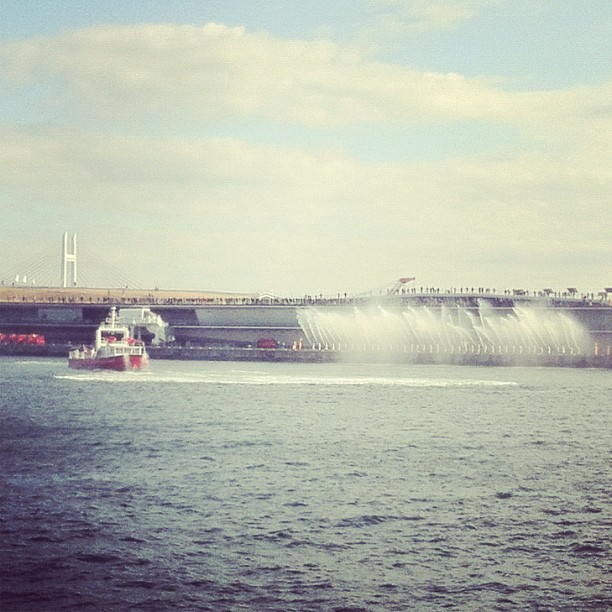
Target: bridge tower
x=69, y=262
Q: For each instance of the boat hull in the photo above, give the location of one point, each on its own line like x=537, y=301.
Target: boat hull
x=116, y=363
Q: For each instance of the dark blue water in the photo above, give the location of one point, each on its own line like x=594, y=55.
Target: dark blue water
x=224, y=486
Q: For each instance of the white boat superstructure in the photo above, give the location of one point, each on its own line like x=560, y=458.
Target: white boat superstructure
x=114, y=348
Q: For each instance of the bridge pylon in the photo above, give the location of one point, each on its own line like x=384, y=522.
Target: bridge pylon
x=69, y=262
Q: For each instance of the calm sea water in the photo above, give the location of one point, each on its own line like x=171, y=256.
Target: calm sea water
x=226, y=486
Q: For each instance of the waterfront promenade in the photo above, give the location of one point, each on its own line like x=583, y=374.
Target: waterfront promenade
x=425, y=296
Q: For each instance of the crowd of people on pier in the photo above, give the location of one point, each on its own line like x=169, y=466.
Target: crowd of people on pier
x=423, y=296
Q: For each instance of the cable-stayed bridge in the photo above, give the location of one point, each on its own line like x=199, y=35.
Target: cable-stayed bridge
x=66, y=265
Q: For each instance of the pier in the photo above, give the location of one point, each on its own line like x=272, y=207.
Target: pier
x=413, y=328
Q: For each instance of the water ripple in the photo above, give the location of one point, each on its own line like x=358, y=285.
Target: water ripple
x=212, y=486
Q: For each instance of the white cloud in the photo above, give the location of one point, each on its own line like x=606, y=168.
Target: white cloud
x=401, y=18
x=164, y=72
x=164, y=75
x=289, y=210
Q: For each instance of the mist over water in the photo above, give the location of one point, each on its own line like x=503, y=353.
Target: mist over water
x=222, y=486
x=451, y=330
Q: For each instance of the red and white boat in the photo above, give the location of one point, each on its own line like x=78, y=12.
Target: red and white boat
x=114, y=349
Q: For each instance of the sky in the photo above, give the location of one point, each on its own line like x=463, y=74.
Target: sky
x=310, y=147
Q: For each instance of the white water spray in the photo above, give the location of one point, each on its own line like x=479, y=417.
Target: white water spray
x=522, y=330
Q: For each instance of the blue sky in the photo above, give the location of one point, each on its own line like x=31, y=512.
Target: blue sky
x=306, y=147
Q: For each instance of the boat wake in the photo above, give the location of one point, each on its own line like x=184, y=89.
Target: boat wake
x=262, y=379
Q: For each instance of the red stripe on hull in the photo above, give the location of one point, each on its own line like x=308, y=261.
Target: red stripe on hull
x=118, y=363
x=138, y=361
